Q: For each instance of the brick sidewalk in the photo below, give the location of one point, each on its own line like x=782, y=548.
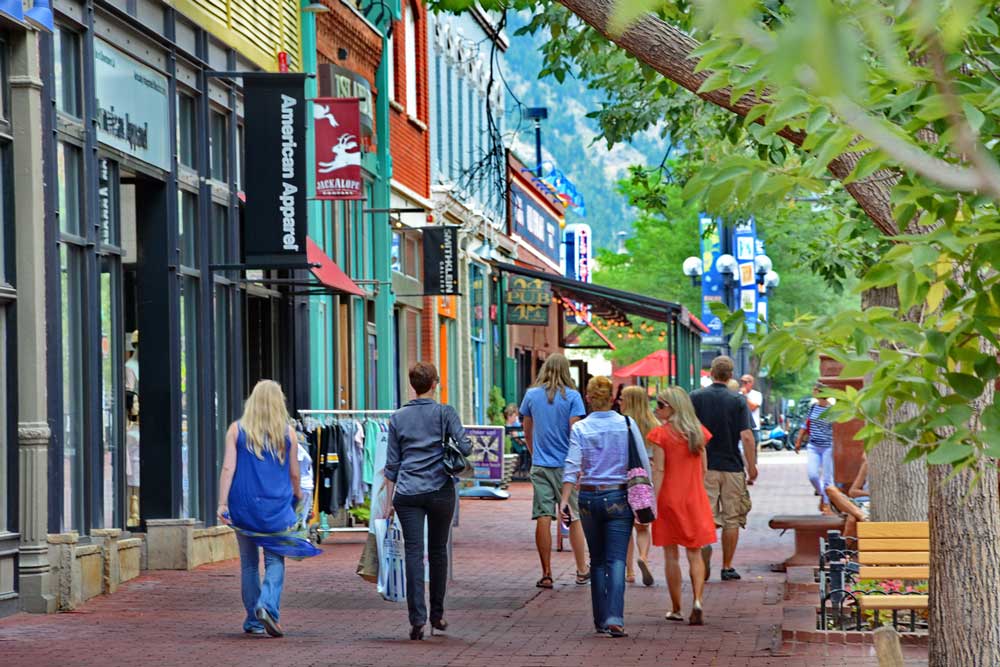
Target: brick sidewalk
x=497, y=615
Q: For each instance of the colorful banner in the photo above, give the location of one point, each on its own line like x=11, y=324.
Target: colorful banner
x=338, y=152
x=745, y=250
x=440, y=260
x=274, y=229
x=579, y=258
x=487, y=452
x=711, y=280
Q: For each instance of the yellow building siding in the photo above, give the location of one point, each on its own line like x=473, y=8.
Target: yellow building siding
x=259, y=29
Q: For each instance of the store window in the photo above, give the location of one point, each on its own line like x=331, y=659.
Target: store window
x=410, y=45
x=220, y=236
x=223, y=368
x=71, y=316
x=187, y=130
x=190, y=488
x=67, y=71
x=187, y=222
x=69, y=163
x=219, y=140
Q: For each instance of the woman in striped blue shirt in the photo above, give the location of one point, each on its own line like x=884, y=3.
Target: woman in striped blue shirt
x=819, y=447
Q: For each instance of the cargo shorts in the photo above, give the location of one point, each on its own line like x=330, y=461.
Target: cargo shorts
x=546, y=483
x=729, y=497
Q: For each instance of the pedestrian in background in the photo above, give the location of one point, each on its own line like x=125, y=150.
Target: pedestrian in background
x=259, y=488
x=549, y=409
x=818, y=435
x=726, y=416
x=754, y=400
x=598, y=461
x=422, y=492
x=635, y=404
x=683, y=514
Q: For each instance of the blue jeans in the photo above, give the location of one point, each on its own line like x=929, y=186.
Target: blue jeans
x=607, y=523
x=820, y=468
x=256, y=595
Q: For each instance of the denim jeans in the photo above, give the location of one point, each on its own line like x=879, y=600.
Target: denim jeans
x=820, y=468
x=607, y=523
x=437, y=509
x=256, y=595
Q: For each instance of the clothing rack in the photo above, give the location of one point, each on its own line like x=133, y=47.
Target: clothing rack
x=344, y=413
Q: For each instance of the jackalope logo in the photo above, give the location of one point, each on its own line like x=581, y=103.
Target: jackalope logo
x=346, y=152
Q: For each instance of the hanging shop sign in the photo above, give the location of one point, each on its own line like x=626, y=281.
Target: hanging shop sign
x=528, y=314
x=339, y=82
x=538, y=227
x=133, y=106
x=487, y=452
x=338, y=152
x=529, y=291
x=579, y=257
x=274, y=229
x=440, y=260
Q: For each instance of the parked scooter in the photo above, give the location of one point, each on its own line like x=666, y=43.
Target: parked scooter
x=777, y=440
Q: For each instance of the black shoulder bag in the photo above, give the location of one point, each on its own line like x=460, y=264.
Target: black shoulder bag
x=455, y=463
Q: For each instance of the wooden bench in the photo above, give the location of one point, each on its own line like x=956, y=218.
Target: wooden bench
x=895, y=551
x=809, y=529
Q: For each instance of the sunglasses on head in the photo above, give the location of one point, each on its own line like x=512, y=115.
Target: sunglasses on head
x=662, y=404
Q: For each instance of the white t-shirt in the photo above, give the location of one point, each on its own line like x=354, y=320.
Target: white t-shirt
x=305, y=469
x=754, y=396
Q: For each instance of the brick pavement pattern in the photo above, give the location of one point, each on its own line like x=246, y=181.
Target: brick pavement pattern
x=497, y=616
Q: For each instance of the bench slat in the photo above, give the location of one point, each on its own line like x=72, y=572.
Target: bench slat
x=893, y=601
x=894, y=557
x=906, y=572
x=893, y=544
x=906, y=529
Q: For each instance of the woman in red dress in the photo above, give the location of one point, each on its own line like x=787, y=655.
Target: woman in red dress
x=683, y=517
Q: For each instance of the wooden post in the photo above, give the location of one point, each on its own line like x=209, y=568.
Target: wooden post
x=887, y=647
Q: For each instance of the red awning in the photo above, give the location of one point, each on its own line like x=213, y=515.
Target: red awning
x=659, y=364
x=328, y=272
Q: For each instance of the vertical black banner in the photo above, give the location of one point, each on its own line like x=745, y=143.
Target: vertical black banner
x=440, y=260
x=274, y=224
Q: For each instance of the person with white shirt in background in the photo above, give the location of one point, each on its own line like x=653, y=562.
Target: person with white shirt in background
x=754, y=401
x=306, y=483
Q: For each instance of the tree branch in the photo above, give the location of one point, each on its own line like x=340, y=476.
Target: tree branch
x=668, y=51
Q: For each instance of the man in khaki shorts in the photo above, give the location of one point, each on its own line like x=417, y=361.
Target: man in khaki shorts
x=726, y=415
x=548, y=411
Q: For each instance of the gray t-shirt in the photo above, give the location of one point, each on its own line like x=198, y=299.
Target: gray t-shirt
x=414, y=457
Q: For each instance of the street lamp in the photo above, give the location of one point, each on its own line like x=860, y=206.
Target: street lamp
x=726, y=265
x=693, y=267
x=762, y=264
x=771, y=280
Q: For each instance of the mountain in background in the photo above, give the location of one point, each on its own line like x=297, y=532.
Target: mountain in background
x=568, y=137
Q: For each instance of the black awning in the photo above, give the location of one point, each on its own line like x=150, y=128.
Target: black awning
x=607, y=302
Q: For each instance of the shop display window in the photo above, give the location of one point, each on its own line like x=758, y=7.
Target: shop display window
x=71, y=292
x=190, y=409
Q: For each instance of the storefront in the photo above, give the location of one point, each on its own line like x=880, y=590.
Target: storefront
x=154, y=338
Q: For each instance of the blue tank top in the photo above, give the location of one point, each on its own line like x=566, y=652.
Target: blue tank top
x=260, y=498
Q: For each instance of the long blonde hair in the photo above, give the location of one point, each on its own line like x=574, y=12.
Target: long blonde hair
x=635, y=404
x=554, y=376
x=265, y=420
x=683, y=418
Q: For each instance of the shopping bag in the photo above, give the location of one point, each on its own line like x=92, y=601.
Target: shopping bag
x=391, y=559
x=368, y=563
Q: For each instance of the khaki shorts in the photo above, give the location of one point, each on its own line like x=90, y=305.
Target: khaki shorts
x=547, y=486
x=729, y=497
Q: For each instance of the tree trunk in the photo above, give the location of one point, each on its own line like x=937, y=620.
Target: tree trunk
x=965, y=567
x=898, y=489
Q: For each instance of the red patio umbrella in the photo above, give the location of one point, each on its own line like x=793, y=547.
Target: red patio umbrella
x=658, y=364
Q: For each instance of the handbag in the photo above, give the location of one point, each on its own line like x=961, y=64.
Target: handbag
x=455, y=463
x=640, y=489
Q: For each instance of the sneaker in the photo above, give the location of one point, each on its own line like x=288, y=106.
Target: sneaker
x=729, y=574
x=706, y=557
x=255, y=630
x=270, y=625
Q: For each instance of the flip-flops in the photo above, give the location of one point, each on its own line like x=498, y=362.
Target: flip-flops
x=647, y=576
x=582, y=579
x=544, y=582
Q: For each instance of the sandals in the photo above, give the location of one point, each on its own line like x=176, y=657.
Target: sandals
x=617, y=631
x=582, y=579
x=545, y=582
x=647, y=576
x=673, y=616
x=630, y=578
